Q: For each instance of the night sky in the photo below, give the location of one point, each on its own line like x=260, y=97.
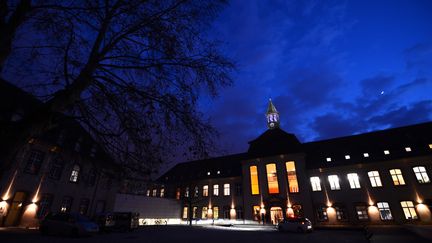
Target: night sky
x=332, y=68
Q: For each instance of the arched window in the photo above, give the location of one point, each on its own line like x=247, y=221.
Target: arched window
x=75, y=173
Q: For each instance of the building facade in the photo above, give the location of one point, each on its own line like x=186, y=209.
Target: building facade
x=380, y=177
x=61, y=170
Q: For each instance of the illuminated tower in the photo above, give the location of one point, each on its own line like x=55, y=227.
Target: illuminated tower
x=272, y=116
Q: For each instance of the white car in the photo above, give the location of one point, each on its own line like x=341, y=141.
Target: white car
x=295, y=225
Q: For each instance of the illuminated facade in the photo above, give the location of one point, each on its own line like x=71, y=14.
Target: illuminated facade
x=61, y=170
x=381, y=177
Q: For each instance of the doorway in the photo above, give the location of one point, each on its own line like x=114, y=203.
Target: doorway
x=16, y=209
x=276, y=215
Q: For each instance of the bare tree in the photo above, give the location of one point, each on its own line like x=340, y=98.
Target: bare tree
x=130, y=71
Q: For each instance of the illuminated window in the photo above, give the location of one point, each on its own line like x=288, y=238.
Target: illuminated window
x=148, y=193
x=185, y=213
x=408, y=149
x=384, y=210
x=386, y=152
x=362, y=212
x=204, y=213
x=227, y=189
x=374, y=178
x=409, y=210
x=196, y=192
x=347, y=157
x=208, y=173
x=421, y=174
x=397, y=177
x=366, y=155
x=205, y=191
x=328, y=159
x=154, y=192
x=256, y=213
x=194, y=212
x=292, y=177
x=66, y=204
x=334, y=182
x=353, y=180
x=316, y=183
x=178, y=193
x=34, y=161
x=215, y=212
x=430, y=146
x=322, y=213
x=186, y=194
x=75, y=173
x=341, y=212
x=218, y=172
x=162, y=192
x=273, y=185
x=216, y=190
x=254, y=180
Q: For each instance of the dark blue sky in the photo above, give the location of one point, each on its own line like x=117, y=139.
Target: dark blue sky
x=332, y=68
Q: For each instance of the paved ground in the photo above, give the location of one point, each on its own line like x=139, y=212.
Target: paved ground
x=179, y=234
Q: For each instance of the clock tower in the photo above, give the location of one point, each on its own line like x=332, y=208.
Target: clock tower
x=272, y=116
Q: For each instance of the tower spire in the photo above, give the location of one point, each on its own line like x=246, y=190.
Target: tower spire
x=272, y=116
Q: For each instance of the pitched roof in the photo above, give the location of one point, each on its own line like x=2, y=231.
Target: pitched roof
x=274, y=141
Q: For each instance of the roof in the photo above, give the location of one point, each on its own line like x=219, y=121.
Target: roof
x=416, y=137
x=227, y=166
x=271, y=108
x=273, y=142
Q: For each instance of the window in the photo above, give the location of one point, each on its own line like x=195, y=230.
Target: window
x=239, y=212
x=238, y=189
x=178, y=192
x=83, y=206
x=409, y=210
x=75, y=173
x=316, y=183
x=148, y=193
x=256, y=213
x=374, y=178
x=216, y=190
x=292, y=177
x=254, y=180
x=298, y=210
x=194, y=212
x=397, y=177
x=362, y=213
x=185, y=213
x=162, y=192
x=204, y=213
x=421, y=174
x=205, y=191
x=322, y=213
x=341, y=213
x=226, y=189
x=386, y=152
x=334, y=182
x=56, y=169
x=384, y=210
x=215, y=212
x=430, y=146
x=226, y=212
x=34, y=161
x=353, y=180
x=347, y=157
x=66, y=205
x=366, y=155
x=186, y=194
x=272, y=181
x=328, y=159
x=92, y=177
x=196, y=192
x=44, y=205
x=154, y=193
x=408, y=149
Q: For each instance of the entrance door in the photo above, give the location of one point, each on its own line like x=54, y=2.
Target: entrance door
x=276, y=215
x=16, y=209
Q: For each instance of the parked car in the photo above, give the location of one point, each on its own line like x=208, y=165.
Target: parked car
x=118, y=221
x=67, y=224
x=295, y=225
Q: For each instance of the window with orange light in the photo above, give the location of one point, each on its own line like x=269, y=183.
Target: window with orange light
x=254, y=180
x=292, y=177
x=272, y=181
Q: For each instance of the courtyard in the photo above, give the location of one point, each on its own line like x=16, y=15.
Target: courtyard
x=219, y=234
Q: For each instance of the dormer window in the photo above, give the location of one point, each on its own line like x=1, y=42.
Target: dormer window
x=366, y=155
x=347, y=157
x=328, y=159
x=386, y=152
x=208, y=173
x=408, y=149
